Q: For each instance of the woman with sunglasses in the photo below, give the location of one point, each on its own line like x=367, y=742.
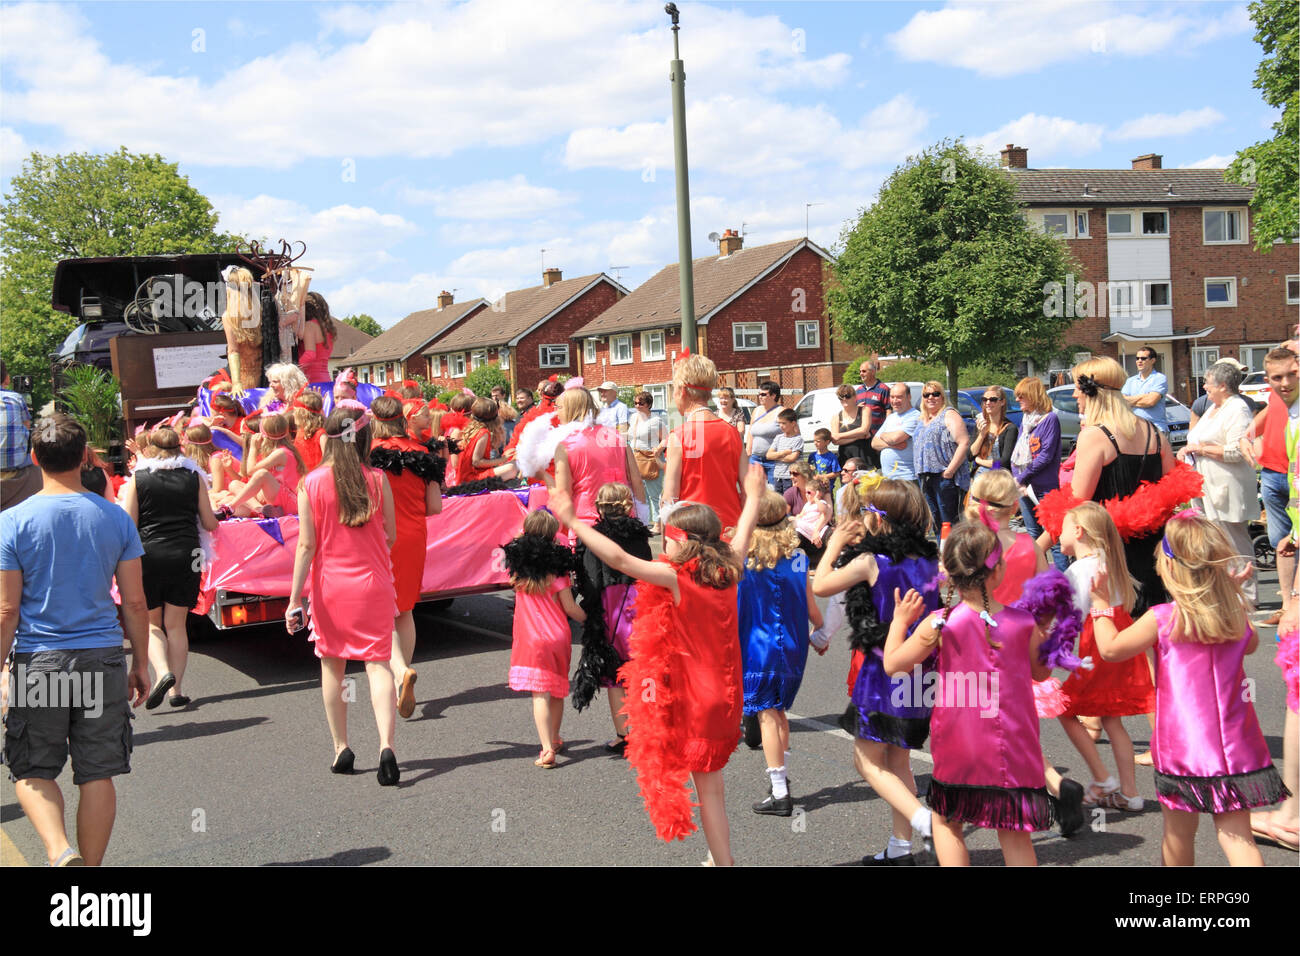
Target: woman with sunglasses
x=764, y=427
x=848, y=430
x=940, y=448
x=996, y=438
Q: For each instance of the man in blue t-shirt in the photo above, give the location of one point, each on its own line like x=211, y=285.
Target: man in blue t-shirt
x=71, y=691
x=1145, y=392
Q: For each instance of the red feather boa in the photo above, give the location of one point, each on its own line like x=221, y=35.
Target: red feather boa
x=1144, y=512
x=655, y=747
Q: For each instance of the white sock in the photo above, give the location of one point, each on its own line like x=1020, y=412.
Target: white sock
x=898, y=848
x=921, y=822
x=779, y=788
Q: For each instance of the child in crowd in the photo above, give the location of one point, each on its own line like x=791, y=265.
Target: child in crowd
x=309, y=420
x=825, y=462
x=686, y=644
x=539, y=660
x=274, y=469
x=887, y=548
x=786, y=448
x=814, y=519
x=218, y=463
x=1210, y=755
x=776, y=605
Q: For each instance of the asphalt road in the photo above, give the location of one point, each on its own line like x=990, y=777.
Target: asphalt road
x=241, y=778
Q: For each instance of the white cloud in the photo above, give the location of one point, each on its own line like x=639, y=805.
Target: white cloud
x=494, y=199
x=1008, y=39
x=1209, y=162
x=1044, y=135
x=13, y=150
x=1166, y=124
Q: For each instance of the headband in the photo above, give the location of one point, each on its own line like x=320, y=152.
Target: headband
x=676, y=534
x=1164, y=538
x=875, y=511
x=1090, y=386
x=389, y=418
x=698, y=388
x=410, y=383
x=306, y=408
x=283, y=434
x=414, y=406
x=208, y=442
x=995, y=555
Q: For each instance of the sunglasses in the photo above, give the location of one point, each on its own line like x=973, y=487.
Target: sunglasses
x=992, y=401
x=932, y=394
x=1146, y=358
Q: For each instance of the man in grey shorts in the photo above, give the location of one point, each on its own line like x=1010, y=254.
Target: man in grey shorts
x=70, y=688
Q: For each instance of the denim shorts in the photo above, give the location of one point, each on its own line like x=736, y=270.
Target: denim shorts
x=73, y=700
x=1275, y=491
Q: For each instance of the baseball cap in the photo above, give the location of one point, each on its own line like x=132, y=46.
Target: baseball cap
x=1234, y=363
x=608, y=387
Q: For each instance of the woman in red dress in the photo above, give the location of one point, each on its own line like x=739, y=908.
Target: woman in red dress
x=475, y=461
x=705, y=454
x=416, y=479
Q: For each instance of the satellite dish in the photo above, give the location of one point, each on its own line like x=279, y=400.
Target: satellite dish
x=714, y=237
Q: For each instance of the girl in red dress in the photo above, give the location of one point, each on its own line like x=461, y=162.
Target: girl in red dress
x=705, y=454
x=480, y=436
x=310, y=423
x=685, y=672
x=416, y=479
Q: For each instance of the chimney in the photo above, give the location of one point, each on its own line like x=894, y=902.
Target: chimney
x=729, y=243
x=1149, y=161
x=550, y=277
x=445, y=299
x=1015, y=157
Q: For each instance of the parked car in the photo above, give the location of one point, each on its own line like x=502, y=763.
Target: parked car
x=1067, y=412
x=1255, y=387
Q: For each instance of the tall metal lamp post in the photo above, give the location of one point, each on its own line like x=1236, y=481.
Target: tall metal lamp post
x=677, y=76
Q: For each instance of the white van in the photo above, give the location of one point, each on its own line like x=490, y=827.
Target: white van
x=817, y=408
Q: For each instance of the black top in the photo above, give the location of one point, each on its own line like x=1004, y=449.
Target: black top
x=857, y=448
x=1120, y=479
x=168, y=502
x=1000, y=446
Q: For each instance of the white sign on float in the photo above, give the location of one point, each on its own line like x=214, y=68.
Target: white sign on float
x=186, y=365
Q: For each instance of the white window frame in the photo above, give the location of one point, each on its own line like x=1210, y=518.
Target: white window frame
x=1243, y=225
x=365, y=375
x=1202, y=358
x=1247, y=351
x=1292, y=299
x=660, y=394
x=1063, y=214
x=1110, y=230
x=1081, y=230
x=1123, y=295
x=1146, y=294
x=741, y=329
x=1074, y=219
x=477, y=359
x=546, y=354
x=1232, y=292
x=503, y=359
x=802, y=328
x=435, y=366
x=381, y=375
x=589, y=351
x=456, y=365
x=650, y=352
x=1143, y=213
x=615, y=344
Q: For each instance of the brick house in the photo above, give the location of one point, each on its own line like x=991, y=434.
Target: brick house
x=398, y=353
x=347, y=340
x=1167, y=261
x=757, y=312
x=527, y=331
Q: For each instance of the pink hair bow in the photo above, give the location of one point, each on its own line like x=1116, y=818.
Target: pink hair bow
x=352, y=403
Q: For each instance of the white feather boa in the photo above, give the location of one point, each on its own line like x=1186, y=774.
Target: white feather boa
x=171, y=463
x=536, y=448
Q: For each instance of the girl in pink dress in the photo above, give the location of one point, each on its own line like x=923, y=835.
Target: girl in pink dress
x=1209, y=753
x=346, y=528
x=274, y=467
x=543, y=643
x=988, y=768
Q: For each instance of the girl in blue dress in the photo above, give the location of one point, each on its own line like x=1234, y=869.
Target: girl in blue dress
x=776, y=605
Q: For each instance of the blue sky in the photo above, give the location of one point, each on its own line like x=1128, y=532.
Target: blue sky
x=418, y=146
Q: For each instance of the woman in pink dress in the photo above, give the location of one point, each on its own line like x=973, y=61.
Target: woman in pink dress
x=346, y=530
x=705, y=455
x=592, y=456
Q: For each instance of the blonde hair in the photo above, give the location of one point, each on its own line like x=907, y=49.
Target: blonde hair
x=1107, y=408
x=574, y=405
x=942, y=391
x=614, y=500
x=901, y=501
x=544, y=525
x=1032, y=396
x=1210, y=607
x=774, y=537
x=697, y=376
x=998, y=491
x=263, y=444
x=1094, y=521
x=197, y=445
x=309, y=421
x=243, y=313
x=291, y=379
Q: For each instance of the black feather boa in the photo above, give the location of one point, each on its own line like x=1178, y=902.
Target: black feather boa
x=477, y=487
x=423, y=465
x=600, y=661
x=537, y=559
x=866, y=630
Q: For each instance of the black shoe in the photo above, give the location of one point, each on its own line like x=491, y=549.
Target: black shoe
x=617, y=746
x=774, y=807
x=1070, y=807
x=887, y=860
x=343, y=762
x=160, y=689
x=753, y=734
x=388, y=772
x=180, y=700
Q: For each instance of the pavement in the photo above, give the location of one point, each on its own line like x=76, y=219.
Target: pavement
x=241, y=778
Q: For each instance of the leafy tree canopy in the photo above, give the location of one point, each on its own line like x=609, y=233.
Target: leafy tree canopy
x=365, y=323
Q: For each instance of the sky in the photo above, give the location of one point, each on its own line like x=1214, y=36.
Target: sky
x=421, y=146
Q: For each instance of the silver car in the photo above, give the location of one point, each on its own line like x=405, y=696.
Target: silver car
x=1177, y=414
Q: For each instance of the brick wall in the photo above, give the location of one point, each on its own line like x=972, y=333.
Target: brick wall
x=526, y=369
x=639, y=371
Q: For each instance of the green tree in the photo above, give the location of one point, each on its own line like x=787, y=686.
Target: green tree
x=482, y=380
x=365, y=323
x=79, y=205
x=944, y=268
x=1271, y=166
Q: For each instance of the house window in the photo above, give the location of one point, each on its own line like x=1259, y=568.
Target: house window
x=1203, y=358
x=1123, y=296
x=1155, y=224
x=749, y=336
x=1292, y=290
x=1220, y=292
x=652, y=346
x=620, y=349
x=1252, y=356
x=553, y=356
x=807, y=335
x=1081, y=225
x=1157, y=294
x=589, y=351
x=1066, y=223
x=477, y=359
x=435, y=365
x=1056, y=223
x=503, y=359
x=365, y=375
x=1119, y=223
x=1223, y=225
x=381, y=375
x=457, y=364
x=660, y=393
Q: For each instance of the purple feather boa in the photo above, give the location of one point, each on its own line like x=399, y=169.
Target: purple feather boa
x=1050, y=599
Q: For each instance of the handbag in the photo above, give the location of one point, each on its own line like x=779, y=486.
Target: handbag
x=647, y=464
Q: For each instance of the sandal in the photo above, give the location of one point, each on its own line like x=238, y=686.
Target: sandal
x=1270, y=831
x=546, y=761
x=559, y=745
x=1099, y=791
x=1117, y=800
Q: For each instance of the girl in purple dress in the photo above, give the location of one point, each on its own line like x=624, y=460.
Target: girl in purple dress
x=988, y=768
x=1209, y=753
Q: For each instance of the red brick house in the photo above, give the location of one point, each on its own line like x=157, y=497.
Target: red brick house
x=528, y=331
x=347, y=340
x=398, y=353
x=756, y=310
x=1168, y=261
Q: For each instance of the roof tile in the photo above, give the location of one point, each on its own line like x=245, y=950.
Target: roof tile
x=408, y=336
x=1065, y=187
x=520, y=310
